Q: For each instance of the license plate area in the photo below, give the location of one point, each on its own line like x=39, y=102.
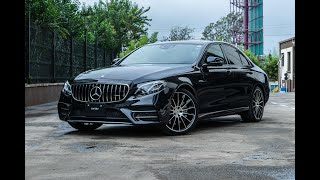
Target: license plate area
x=95, y=109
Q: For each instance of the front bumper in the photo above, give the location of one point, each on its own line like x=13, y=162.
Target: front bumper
x=149, y=109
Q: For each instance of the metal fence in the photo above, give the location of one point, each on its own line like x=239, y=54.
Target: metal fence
x=49, y=58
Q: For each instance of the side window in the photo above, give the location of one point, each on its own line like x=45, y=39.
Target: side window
x=244, y=59
x=215, y=50
x=232, y=55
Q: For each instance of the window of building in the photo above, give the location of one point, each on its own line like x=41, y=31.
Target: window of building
x=289, y=61
x=282, y=59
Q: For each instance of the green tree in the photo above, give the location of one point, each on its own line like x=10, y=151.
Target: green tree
x=179, y=33
x=98, y=27
x=128, y=21
x=228, y=29
x=109, y=23
x=270, y=66
x=61, y=16
x=143, y=40
x=154, y=37
x=253, y=58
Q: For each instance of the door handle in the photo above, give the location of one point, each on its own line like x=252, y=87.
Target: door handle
x=249, y=72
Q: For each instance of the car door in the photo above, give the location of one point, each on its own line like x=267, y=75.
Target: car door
x=238, y=93
x=211, y=87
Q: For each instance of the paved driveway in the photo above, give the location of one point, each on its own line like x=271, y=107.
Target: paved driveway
x=222, y=148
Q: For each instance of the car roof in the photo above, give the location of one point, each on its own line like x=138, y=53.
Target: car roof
x=203, y=42
x=185, y=42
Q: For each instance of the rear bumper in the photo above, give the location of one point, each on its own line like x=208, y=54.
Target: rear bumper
x=149, y=109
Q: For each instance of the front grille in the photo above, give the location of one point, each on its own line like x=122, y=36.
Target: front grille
x=99, y=92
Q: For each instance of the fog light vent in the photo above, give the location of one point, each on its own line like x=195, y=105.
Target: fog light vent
x=145, y=115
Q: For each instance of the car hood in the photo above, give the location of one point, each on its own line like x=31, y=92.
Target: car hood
x=137, y=72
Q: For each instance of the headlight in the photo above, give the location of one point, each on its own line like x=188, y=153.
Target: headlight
x=66, y=88
x=150, y=87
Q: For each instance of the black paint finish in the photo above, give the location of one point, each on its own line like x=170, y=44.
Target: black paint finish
x=219, y=90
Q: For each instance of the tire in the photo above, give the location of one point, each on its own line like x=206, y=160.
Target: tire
x=85, y=126
x=256, y=107
x=183, y=113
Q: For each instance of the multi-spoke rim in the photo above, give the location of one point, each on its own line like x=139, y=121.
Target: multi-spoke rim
x=258, y=104
x=182, y=112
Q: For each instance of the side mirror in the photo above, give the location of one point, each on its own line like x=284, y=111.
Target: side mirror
x=115, y=60
x=215, y=61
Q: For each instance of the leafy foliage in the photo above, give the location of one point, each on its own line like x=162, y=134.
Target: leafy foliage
x=179, y=33
x=253, y=58
x=154, y=37
x=228, y=29
x=142, y=41
x=62, y=16
x=269, y=65
x=110, y=23
x=128, y=21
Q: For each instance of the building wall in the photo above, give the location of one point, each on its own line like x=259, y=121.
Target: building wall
x=255, y=26
x=285, y=47
x=284, y=68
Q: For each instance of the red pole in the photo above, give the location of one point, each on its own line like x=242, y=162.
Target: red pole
x=245, y=23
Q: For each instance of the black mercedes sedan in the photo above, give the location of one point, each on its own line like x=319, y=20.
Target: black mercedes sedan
x=171, y=84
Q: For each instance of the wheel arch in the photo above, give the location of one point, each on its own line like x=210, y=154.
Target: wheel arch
x=188, y=87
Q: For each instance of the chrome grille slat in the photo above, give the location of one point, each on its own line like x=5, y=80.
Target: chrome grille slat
x=101, y=94
x=115, y=93
x=78, y=91
x=124, y=90
x=84, y=92
x=90, y=87
x=119, y=92
x=81, y=92
x=109, y=92
x=87, y=92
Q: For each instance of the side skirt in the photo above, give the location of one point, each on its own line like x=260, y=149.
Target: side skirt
x=223, y=112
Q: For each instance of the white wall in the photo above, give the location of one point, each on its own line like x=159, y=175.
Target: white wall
x=283, y=69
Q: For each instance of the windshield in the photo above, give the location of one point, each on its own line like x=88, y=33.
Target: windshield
x=170, y=53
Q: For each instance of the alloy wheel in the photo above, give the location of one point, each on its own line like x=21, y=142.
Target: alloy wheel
x=182, y=112
x=258, y=104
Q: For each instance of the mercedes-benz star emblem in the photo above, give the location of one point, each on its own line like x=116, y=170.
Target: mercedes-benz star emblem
x=95, y=93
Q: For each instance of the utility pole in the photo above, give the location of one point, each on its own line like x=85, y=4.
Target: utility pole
x=245, y=24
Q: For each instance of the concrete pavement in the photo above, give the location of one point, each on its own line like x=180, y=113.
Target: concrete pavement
x=222, y=148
